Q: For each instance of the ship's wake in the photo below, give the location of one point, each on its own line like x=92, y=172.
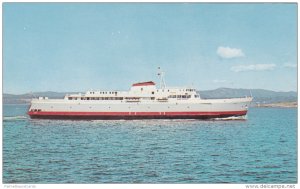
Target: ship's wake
x=12, y=118
x=231, y=118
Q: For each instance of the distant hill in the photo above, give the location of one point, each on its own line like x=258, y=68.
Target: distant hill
x=261, y=96
x=25, y=98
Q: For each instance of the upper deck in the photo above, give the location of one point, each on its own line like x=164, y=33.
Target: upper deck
x=139, y=91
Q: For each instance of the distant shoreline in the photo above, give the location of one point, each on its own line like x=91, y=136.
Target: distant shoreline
x=271, y=105
x=279, y=105
x=10, y=104
x=262, y=97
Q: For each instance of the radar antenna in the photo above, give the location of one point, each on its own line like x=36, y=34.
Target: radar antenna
x=161, y=75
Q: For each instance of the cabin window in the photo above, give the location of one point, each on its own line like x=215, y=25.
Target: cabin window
x=88, y=98
x=152, y=92
x=70, y=98
x=141, y=89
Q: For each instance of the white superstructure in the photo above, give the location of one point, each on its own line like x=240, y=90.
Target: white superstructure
x=143, y=100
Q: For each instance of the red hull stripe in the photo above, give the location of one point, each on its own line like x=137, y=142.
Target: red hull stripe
x=226, y=113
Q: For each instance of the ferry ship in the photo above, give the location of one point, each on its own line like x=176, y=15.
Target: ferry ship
x=143, y=101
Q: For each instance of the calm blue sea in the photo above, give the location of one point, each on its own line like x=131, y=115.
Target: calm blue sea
x=262, y=149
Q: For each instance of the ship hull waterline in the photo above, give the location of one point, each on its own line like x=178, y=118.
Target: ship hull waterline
x=134, y=115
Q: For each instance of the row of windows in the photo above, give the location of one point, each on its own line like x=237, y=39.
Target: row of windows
x=179, y=96
x=105, y=92
x=95, y=98
x=191, y=90
x=36, y=110
x=127, y=98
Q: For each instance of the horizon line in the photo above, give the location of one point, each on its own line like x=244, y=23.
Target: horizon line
x=122, y=90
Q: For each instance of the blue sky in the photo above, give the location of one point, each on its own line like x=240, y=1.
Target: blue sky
x=81, y=46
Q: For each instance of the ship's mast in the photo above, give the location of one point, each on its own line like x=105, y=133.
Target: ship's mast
x=161, y=75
